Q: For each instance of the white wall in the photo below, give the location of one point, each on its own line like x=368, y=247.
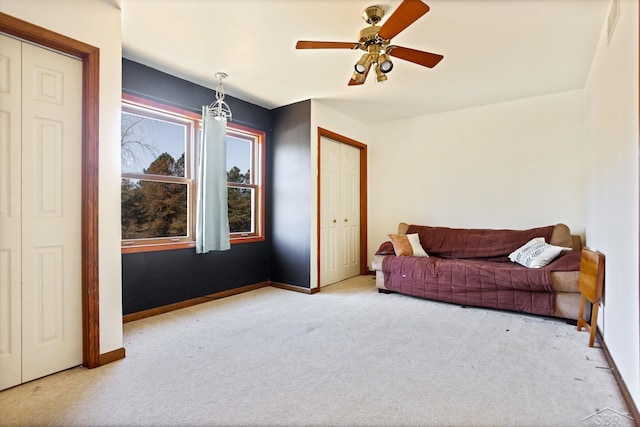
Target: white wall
x=96, y=23
x=330, y=119
x=570, y=157
x=612, y=204
x=514, y=165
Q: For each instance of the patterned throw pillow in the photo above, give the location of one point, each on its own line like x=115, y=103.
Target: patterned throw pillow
x=536, y=253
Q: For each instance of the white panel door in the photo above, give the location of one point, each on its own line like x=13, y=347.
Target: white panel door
x=339, y=211
x=350, y=210
x=51, y=208
x=329, y=211
x=10, y=213
x=40, y=207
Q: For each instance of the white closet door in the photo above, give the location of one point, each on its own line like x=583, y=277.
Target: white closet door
x=10, y=213
x=339, y=211
x=40, y=204
x=329, y=211
x=350, y=210
x=51, y=208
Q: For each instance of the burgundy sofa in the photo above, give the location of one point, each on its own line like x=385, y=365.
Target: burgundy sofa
x=471, y=267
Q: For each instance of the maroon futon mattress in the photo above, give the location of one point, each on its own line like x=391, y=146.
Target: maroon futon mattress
x=471, y=267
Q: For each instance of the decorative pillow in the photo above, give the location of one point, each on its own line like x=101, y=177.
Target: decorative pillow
x=407, y=245
x=536, y=253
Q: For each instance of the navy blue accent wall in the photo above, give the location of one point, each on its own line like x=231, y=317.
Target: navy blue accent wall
x=140, y=80
x=153, y=279
x=289, y=210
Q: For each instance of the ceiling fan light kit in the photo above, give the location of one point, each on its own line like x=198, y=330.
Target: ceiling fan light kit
x=381, y=76
x=365, y=62
x=375, y=41
x=385, y=63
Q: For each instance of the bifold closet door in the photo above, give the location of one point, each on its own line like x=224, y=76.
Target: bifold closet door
x=10, y=212
x=40, y=203
x=339, y=211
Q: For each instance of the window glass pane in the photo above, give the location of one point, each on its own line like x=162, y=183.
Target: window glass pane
x=238, y=160
x=152, y=146
x=153, y=209
x=240, y=206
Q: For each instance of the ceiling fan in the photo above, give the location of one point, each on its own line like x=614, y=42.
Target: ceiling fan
x=375, y=41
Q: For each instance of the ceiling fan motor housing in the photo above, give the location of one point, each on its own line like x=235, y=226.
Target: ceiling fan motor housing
x=373, y=14
x=369, y=35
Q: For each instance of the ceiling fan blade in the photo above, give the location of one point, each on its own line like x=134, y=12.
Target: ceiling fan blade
x=426, y=59
x=406, y=14
x=325, y=45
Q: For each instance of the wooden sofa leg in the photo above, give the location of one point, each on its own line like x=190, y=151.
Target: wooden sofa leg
x=384, y=291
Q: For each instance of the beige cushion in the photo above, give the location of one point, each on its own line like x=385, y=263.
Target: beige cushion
x=561, y=236
x=577, y=242
x=565, y=281
x=568, y=305
x=402, y=228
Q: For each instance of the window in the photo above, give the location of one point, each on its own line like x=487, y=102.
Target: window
x=242, y=182
x=159, y=158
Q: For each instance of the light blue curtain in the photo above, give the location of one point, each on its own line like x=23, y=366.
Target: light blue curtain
x=212, y=221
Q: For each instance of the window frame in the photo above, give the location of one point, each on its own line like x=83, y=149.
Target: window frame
x=257, y=139
x=193, y=120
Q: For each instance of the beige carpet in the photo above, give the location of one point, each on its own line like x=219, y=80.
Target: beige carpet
x=346, y=356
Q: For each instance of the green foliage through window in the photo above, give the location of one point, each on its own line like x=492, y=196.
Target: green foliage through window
x=240, y=201
x=153, y=209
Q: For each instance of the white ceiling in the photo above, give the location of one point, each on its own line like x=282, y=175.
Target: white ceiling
x=494, y=50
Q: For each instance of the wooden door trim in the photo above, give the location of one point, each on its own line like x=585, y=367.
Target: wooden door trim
x=90, y=57
x=363, y=195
